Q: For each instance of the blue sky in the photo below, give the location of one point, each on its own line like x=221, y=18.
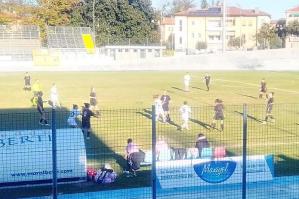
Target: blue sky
x=276, y=8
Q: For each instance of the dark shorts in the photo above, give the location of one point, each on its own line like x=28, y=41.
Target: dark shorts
x=218, y=116
x=269, y=109
x=85, y=125
x=165, y=107
x=93, y=102
x=263, y=90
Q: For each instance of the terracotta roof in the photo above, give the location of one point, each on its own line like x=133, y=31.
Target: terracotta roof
x=295, y=9
x=217, y=11
x=167, y=21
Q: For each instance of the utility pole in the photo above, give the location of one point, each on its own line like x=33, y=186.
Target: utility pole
x=224, y=26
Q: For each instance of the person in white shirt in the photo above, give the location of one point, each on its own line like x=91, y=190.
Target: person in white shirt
x=54, y=96
x=185, y=111
x=159, y=108
x=187, y=79
x=75, y=112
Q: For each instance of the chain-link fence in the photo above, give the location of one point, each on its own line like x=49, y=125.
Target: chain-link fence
x=186, y=152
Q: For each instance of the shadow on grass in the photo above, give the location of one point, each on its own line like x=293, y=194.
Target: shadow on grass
x=249, y=96
x=251, y=117
x=179, y=89
x=198, y=88
x=146, y=113
x=204, y=125
x=286, y=166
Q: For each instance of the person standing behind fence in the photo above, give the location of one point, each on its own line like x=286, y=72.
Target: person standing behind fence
x=185, y=111
x=263, y=89
x=41, y=110
x=133, y=158
x=86, y=115
x=187, y=79
x=27, y=82
x=219, y=115
x=201, y=142
x=165, y=98
x=207, y=80
x=269, y=107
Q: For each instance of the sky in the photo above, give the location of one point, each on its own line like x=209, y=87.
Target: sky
x=276, y=8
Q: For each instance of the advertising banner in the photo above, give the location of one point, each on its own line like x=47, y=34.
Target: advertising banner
x=203, y=172
x=26, y=156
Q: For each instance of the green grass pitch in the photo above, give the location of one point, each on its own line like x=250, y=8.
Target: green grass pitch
x=125, y=99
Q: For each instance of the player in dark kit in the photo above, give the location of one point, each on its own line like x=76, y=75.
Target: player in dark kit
x=165, y=99
x=263, y=89
x=219, y=115
x=86, y=114
x=41, y=110
x=269, y=107
x=207, y=79
x=27, y=82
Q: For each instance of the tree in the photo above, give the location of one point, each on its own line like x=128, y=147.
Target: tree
x=237, y=42
x=181, y=5
x=293, y=28
x=118, y=21
x=266, y=36
x=204, y=4
x=201, y=45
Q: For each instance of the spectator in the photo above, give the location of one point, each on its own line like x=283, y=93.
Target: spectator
x=201, y=142
x=134, y=157
x=162, y=150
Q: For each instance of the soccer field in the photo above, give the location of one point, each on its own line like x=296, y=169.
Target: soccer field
x=125, y=99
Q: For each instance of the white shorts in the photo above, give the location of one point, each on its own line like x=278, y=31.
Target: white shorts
x=71, y=121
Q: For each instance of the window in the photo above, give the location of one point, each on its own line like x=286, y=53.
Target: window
x=193, y=35
x=120, y=50
x=181, y=40
x=150, y=50
x=199, y=35
x=193, y=23
x=135, y=50
x=126, y=50
x=181, y=25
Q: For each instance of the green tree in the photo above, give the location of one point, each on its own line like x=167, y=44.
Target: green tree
x=204, y=4
x=293, y=28
x=119, y=21
x=267, y=37
x=237, y=42
x=201, y=45
x=181, y=5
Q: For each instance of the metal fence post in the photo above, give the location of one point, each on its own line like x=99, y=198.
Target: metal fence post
x=154, y=138
x=244, y=151
x=54, y=155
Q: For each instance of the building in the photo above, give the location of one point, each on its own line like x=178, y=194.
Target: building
x=292, y=41
x=199, y=27
x=167, y=31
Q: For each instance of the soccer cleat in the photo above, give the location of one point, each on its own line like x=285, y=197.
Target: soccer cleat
x=47, y=124
x=40, y=123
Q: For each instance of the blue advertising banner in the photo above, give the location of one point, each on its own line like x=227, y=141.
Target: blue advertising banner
x=203, y=172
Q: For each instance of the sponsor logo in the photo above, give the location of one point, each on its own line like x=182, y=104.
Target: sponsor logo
x=215, y=171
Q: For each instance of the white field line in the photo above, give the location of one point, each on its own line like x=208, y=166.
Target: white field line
x=257, y=85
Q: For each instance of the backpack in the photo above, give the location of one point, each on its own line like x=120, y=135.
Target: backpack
x=105, y=176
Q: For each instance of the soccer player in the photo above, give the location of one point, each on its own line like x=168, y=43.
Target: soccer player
x=165, y=98
x=86, y=115
x=158, y=108
x=269, y=107
x=27, y=82
x=219, y=115
x=187, y=79
x=207, y=80
x=54, y=96
x=41, y=110
x=93, y=99
x=75, y=112
x=263, y=89
x=185, y=111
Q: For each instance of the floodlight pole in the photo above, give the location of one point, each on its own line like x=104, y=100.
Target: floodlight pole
x=224, y=26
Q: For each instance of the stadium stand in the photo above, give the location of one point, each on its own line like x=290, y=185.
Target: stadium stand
x=17, y=42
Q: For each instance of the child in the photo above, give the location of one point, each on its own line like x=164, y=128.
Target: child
x=185, y=111
x=219, y=115
x=269, y=107
x=187, y=79
x=71, y=121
